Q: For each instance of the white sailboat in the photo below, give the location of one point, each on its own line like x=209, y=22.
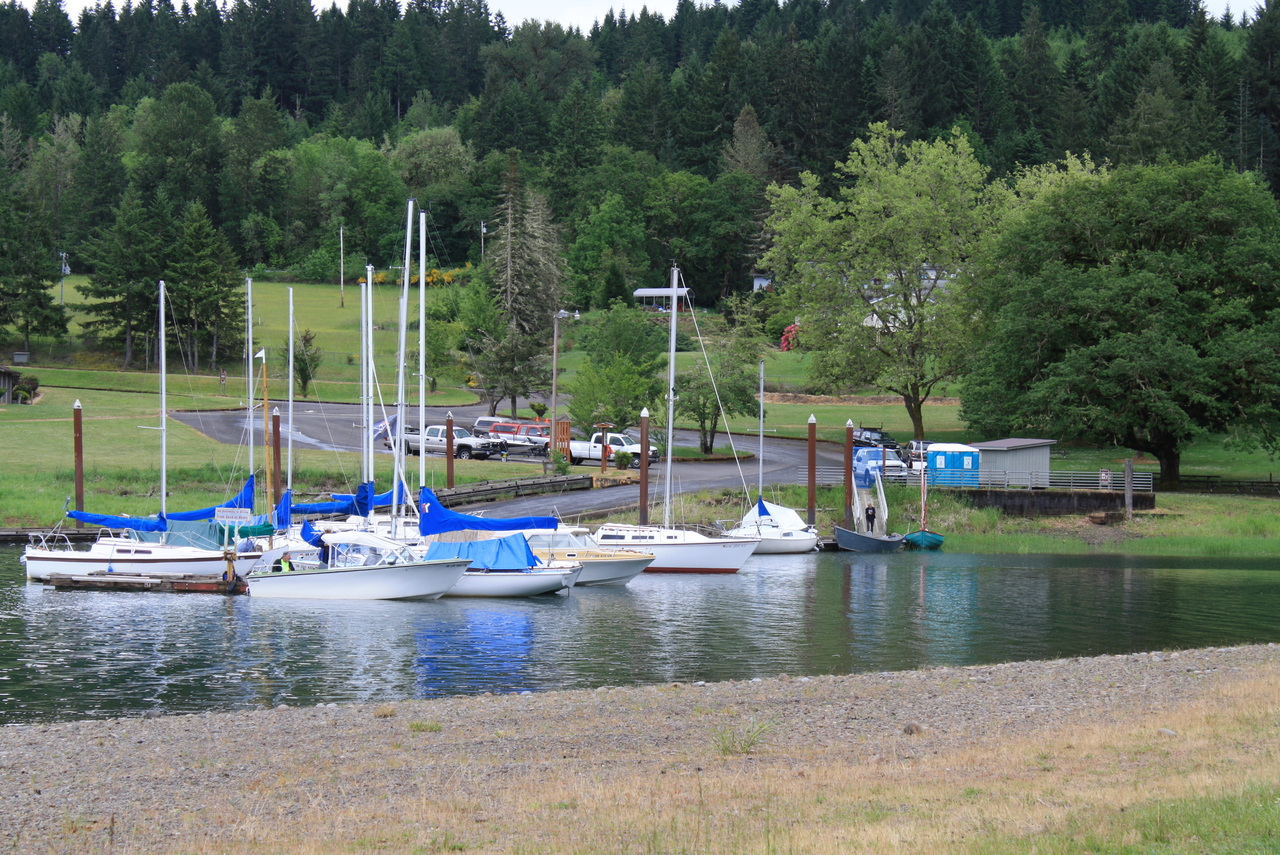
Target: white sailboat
x=601, y=566
x=677, y=550
x=121, y=549
x=780, y=529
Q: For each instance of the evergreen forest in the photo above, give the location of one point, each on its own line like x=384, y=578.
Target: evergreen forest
x=209, y=140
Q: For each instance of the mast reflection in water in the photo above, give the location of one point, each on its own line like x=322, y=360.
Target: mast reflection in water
x=93, y=654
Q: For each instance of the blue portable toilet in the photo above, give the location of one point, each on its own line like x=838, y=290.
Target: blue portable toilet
x=953, y=465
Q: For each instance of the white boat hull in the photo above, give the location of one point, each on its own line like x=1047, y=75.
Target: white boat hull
x=616, y=569
x=427, y=580
x=679, y=551
x=513, y=583
x=122, y=555
x=780, y=542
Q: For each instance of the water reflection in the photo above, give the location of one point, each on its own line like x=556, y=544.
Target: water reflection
x=94, y=654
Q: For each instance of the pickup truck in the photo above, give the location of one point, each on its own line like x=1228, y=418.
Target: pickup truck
x=590, y=450
x=532, y=439
x=435, y=438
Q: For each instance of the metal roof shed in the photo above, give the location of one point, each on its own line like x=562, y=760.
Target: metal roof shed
x=1023, y=462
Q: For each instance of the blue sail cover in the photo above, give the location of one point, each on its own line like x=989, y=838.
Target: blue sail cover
x=435, y=518
x=505, y=553
x=283, y=514
x=243, y=499
x=134, y=523
x=350, y=505
x=381, y=500
x=309, y=534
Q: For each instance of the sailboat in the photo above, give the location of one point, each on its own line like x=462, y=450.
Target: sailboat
x=183, y=543
x=780, y=529
x=923, y=538
x=676, y=550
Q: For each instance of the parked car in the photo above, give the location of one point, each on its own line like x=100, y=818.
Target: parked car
x=435, y=439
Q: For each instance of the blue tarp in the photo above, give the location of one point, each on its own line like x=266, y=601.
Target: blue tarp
x=243, y=499
x=505, y=553
x=135, y=523
x=435, y=518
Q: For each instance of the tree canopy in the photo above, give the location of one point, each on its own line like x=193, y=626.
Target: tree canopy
x=870, y=269
x=1139, y=307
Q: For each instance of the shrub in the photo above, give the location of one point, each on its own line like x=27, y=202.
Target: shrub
x=622, y=459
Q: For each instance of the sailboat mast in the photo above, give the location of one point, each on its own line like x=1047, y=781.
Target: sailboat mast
x=760, y=454
x=248, y=364
x=366, y=383
x=671, y=396
x=397, y=456
x=289, y=463
x=422, y=344
x=164, y=407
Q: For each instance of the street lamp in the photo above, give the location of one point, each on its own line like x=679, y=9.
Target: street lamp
x=555, y=362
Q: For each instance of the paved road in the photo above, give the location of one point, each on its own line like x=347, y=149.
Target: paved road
x=335, y=427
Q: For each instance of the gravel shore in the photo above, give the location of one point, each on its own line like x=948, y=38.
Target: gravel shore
x=174, y=783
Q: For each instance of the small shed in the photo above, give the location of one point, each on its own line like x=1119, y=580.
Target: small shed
x=1022, y=462
x=8, y=381
x=953, y=465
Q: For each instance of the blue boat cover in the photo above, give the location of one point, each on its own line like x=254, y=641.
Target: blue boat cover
x=505, y=553
x=283, y=514
x=351, y=505
x=134, y=523
x=381, y=500
x=435, y=518
x=243, y=499
x=309, y=533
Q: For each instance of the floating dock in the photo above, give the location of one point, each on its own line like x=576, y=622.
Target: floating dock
x=174, y=583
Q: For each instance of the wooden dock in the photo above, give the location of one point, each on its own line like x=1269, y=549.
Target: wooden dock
x=174, y=583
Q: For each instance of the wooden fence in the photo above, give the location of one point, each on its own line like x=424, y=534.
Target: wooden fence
x=1143, y=482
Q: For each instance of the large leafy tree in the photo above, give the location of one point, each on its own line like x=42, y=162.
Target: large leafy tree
x=870, y=269
x=620, y=377
x=1140, y=308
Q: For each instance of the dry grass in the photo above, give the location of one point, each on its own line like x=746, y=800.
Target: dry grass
x=553, y=784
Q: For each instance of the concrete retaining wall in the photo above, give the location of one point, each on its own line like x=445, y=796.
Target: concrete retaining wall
x=1050, y=503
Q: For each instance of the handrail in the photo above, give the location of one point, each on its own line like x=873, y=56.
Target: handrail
x=1143, y=482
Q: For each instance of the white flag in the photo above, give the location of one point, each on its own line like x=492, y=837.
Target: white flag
x=262, y=354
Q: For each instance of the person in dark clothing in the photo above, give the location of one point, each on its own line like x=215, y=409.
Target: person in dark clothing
x=871, y=519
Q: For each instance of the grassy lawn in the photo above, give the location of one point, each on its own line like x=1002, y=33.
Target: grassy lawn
x=122, y=460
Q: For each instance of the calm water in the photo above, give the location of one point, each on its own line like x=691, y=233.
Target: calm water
x=85, y=654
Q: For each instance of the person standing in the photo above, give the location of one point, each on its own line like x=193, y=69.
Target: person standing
x=871, y=519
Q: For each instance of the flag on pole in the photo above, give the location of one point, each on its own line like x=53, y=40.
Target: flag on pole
x=262, y=354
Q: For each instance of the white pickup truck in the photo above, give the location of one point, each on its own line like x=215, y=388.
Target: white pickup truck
x=580, y=451
x=434, y=440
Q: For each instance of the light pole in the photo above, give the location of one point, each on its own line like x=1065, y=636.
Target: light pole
x=555, y=364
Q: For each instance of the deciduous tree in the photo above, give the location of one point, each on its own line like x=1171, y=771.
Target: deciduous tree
x=1140, y=308
x=870, y=269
